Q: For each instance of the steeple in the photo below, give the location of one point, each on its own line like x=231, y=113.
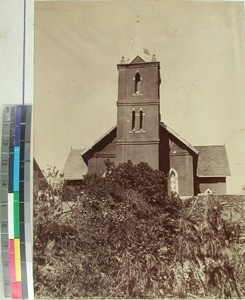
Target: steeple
x=137, y=48
x=138, y=106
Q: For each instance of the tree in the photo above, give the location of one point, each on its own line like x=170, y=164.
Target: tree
x=115, y=241
x=126, y=237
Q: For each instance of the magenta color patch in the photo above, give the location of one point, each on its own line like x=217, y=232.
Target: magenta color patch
x=12, y=261
x=11, y=246
x=12, y=267
x=17, y=290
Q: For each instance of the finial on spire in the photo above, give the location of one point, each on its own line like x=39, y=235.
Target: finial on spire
x=137, y=43
x=153, y=57
x=122, y=60
x=137, y=48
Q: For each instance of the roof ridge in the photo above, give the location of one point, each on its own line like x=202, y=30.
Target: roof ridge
x=81, y=150
x=104, y=135
x=218, y=145
x=77, y=148
x=189, y=145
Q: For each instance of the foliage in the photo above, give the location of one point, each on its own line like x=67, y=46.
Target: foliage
x=126, y=238
x=151, y=184
x=55, y=179
x=40, y=182
x=70, y=192
x=205, y=254
x=243, y=188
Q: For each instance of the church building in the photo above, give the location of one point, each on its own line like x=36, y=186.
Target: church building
x=141, y=136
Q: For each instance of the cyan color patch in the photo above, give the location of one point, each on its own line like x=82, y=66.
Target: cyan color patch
x=16, y=168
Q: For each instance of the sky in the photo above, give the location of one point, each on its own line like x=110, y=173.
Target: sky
x=200, y=46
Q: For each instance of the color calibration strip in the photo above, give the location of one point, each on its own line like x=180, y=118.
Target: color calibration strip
x=15, y=203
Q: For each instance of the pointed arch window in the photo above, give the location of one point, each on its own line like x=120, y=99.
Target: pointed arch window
x=133, y=120
x=173, y=180
x=138, y=84
x=208, y=191
x=137, y=121
x=141, y=120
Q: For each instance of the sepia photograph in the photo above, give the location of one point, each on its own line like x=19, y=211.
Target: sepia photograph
x=139, y=149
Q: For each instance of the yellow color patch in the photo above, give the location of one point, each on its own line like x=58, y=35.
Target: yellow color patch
x=17, y=259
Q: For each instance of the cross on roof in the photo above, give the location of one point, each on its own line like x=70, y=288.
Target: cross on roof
x=137, y=48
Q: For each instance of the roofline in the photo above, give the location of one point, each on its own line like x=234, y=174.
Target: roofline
x=170, y=130
x=175, y=134
x=138, y=63
x=219, y=175
x=161, y=123
x=217, y=145
x=101, y=138
x=81, y=150
x=214, y=176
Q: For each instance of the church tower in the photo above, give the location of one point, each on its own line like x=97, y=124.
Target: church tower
x=138, y=113
x=140, y=136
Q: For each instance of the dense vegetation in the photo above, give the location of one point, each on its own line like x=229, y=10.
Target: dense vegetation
x=124, y=237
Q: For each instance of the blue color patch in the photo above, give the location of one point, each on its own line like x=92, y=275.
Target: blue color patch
x=17, y=126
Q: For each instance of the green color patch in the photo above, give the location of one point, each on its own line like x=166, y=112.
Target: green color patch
x=16, y=197
x=16, y=220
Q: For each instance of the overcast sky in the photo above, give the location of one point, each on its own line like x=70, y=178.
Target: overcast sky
x=200, y=46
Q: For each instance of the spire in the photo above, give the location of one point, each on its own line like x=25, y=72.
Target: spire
x=137, y=48
x=137, y=45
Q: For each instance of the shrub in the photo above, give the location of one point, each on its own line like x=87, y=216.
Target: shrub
x=205, y=251
x=126, y=238
x=151, y=184
x=116, y=241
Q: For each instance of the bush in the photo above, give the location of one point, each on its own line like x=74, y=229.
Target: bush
x=151, y=184
x=206, y=251
x=116, y=241
x=70, y=192
x=126, y=238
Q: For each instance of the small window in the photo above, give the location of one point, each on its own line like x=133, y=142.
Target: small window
x=208, y=191
x=138, y=84
x=133, y=120
x=173, y=178
x=141, y=120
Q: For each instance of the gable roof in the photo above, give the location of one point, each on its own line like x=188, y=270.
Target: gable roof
x=171, y=131
x=102, y=137
x=100, y=143
x=75, y=167
x=137, y=60
x=212, y=161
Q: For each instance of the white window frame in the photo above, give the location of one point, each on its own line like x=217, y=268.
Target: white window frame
x=172, y=170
